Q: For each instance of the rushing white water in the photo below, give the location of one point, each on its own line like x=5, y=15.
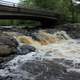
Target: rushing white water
x=65, y=48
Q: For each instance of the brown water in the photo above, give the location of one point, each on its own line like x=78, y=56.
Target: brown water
x=48, y=47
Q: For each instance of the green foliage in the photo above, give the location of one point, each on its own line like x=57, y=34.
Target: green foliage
x=27, y=3
x=28, y=23
x=23, y=23
x=8, y=22
x=59, y=6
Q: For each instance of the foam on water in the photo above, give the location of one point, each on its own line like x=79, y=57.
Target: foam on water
x=65, y=48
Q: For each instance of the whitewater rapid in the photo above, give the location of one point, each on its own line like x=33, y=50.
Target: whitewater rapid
x=66, y=48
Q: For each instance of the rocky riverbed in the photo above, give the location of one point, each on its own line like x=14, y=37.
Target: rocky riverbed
x=49, y=54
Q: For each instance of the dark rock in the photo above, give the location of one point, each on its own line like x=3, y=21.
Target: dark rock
x=71, y=76
x=8, y=45
x=47, y=70
x=12, y=78
x=22, y=50
x=8, y=40
x=65, y=62
x=4, y=60
x=72, y=29
x=42, y=70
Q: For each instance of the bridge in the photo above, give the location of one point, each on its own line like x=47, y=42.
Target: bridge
x=9, y=10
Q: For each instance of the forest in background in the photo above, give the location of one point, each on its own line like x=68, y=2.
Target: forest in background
x=70, y=11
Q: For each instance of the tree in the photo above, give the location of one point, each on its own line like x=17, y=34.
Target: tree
x=27, y=3
x=64, y=7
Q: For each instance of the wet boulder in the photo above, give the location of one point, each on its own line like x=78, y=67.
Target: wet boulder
x=36, y=70
x=24, y=49
x=44, y=70
x=73, y=29
x=8, y=45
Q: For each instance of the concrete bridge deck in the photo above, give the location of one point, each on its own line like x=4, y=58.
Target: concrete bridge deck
x=13, y=11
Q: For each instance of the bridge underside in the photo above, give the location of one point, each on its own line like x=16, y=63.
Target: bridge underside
x=46, y=18
x=25, y=16
x=42, y=19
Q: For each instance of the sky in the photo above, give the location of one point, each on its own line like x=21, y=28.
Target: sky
x=15, y=1
x=77, y=2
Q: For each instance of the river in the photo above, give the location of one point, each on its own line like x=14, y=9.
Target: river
x=56, y=54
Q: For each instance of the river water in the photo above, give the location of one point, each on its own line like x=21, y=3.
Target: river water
x=58, y=47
